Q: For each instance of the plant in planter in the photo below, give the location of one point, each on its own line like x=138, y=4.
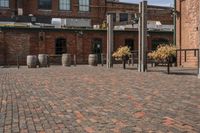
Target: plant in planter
x=164, y=53
x=122, y=53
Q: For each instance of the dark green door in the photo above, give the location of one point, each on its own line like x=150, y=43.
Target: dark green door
x=97, y=48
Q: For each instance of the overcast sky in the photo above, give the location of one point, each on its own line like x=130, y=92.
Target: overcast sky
x=153, y=2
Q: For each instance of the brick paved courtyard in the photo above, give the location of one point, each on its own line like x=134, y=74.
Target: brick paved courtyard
x=87, y=99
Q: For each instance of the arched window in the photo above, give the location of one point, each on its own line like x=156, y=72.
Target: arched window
x=160, y=41
x=60, y=46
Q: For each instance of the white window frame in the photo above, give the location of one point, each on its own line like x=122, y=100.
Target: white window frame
x=84, y=5
x=4, y=3
x=65, y=5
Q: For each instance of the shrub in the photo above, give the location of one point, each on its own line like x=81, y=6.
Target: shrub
x=163, y=52
x=122, y=52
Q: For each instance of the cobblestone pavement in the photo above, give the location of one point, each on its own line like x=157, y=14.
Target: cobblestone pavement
x=87, y=99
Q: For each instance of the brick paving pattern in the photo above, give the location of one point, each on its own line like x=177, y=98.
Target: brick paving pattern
x=87, y=99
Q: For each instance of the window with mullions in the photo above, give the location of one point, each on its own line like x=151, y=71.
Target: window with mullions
x=65, y=5
x=45, y=4
x=84, y=5
x=4, y=3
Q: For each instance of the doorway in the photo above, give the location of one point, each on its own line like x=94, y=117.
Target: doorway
x=60, y=46
x=97, y=48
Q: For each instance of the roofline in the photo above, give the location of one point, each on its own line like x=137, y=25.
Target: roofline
x=73, y=30
x=152, y=6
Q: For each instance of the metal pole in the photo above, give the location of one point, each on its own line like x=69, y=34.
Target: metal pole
x=143, y=37
x=139, y=37
x=199, y=45
x=102, y=59
x=109, y=40
x=174, y=21
x=74, y=60
x=18, y=61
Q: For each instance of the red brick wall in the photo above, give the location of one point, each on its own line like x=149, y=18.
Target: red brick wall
x=8, y=12
x=98, y=9
x=96, y=13
x=187, y=31
x=155, y=13
x=27, y=41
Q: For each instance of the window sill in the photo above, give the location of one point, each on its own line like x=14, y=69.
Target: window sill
x=4, y=8
x=65, y=11
x=44, y=10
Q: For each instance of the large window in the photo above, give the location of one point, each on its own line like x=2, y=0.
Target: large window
x=65, y=4
x=4, y=3
x=84, y=5
x=45, y=4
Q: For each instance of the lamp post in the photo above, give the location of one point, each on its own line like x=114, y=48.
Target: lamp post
x=109, y=40
x=142, y=49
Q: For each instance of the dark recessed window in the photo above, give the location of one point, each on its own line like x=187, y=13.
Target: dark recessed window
x=123, y=17
x=4, y=3
x=45, y=4
x=61, y=46
x=129, y=43
x=84, y=5
x=65, y=4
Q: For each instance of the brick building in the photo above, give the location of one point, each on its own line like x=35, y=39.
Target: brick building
x=187, y=30
x=26, y=27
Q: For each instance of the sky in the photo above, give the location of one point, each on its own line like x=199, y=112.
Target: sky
x=153, y=2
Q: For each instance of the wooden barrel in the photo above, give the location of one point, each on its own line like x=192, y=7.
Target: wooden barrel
x=42, y=58
x=66, y=59
x=92, y=60
x=32, y=61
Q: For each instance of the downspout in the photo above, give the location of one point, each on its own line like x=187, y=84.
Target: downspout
x=180, y=40
x=174, y=19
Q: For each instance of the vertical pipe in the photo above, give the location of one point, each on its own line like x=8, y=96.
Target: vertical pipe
x=199, y=45
x=139, y=37
x=180, y=38
x=74, y=60
x=102, y=59
x=144, y=37
x=174, y=21
x=109, y=40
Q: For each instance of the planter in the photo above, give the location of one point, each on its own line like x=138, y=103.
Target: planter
x=66, y=60
x=43, y=60
x=92, y=59
x=31, y=61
